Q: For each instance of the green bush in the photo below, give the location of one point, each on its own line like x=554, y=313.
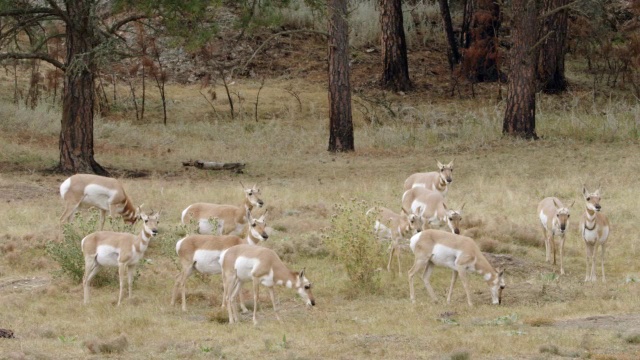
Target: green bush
x=351, y=240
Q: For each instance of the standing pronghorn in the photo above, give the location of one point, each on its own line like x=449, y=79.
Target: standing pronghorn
x=554, y=217
x=230, y=219
x=459, y=253
x=202, y=253
x=242, y=263
x=430, y=208
x=124, y=250
x=107, y=194
x=433, y=180
x=393, y=227
x=594, y=227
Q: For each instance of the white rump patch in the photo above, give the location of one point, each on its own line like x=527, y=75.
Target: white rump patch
x=64, y=187
x=543, y=218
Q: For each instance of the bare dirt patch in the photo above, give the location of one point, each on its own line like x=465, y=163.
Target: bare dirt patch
x=23, y=283
x=17, y=192
x=626, y=322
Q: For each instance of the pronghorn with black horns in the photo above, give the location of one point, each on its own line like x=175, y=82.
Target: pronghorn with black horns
x=431, y=209
x=230, y=219
x=105, y=193
x=594, y=227
x=124, y=250
x=554, y=217
x=202, y=253
x=459, y=253
x=434, y=180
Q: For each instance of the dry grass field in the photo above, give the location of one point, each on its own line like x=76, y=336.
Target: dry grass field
x=500, y=180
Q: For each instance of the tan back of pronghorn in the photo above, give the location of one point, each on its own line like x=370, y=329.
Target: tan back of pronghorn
x=431, y=209
x=594, y=227
x=243, y=263
x=433, y=180
x=107, y=194
x=202, y=253
x=554, y=217
x=395, y=228
x=230, y=219
x=124, y=250
x=459, y=253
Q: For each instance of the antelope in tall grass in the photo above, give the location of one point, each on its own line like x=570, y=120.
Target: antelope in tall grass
x=395, y=228
x=459, y=253
x=554, y=217
x=202, y=253
x=107, y=194
x=431, y=209
x=243, y=263
x=433, y=180
x=124, y=250
x=594, y=227
x=230, y=218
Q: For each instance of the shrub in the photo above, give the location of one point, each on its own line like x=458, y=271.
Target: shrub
x=350, y=239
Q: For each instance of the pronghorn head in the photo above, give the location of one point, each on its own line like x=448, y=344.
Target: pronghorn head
x=252, y=195
x=446, y=171
x=454, y=218
x=411, y=225
x=592, y=199
x=497, y=284
x=257, y=226
x=304, y=289
x=150, y=222
x=562, y=215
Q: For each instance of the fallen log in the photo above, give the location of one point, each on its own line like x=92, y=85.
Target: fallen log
x=212, y=165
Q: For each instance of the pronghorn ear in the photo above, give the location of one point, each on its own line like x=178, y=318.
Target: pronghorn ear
x=585, y=193
x=440, y=165
x=555, y=204
x=445, y=206
x=301, y=276
x=451, y=164
x=263, y=216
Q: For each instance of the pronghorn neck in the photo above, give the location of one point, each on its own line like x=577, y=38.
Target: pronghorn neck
x=145, y=236
x=252, y=239
x=248, y=206
x=590, y=220
x=441, y=185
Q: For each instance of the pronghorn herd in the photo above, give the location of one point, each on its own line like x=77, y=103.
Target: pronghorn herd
x=228, y=239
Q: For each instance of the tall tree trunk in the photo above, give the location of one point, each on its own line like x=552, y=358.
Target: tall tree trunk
x=453, y=54
x=520, y=114
x=395, y=67
x=550, y=66
x=76, y=134
x=340, y=121
x=480, y=58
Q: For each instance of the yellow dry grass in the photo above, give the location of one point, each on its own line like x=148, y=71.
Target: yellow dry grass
x=500, y=180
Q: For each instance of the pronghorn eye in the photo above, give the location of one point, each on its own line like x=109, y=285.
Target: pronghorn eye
x=588, y=198
x=146, y=221
x=253, y=224
x=307, y=287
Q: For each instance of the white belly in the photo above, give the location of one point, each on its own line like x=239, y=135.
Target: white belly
x=207, y=261
x=382, y=231
x=244, y=267
x=108, y=255
x=206, y=227
x=445, y=256
x=98, y=196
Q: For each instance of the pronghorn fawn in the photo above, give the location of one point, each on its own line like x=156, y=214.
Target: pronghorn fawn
x=243, y=263
x=107, y=194
x=230, y=219
x=394, y=228
x=124, y=250
x=459, y=253
x=433, y=180
x=431, y=209
x=554, y=217
x=202, y=253
x=594, y=227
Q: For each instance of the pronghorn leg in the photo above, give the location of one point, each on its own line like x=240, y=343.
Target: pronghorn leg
x=233, y=285
x=552, y=248
x=69, y=211
x=602, y=248
x=273, y=302
x=256, y=290
x=242, y=301
x=588, y=251
x=130, y=271
x=547, y=246
x=454, y=277
x=91, y=268
x=121, y=270
x=391, y=251
x=561, y=254
x=594, y=253
x=397, y=249
x=417, y=265
x=463, y=277
x=102, y=217
x=425, y=278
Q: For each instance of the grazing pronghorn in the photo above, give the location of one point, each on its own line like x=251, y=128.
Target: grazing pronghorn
x=433, y=180
x=230, y=219
x=124, y=250
x=594, y=227
x=107, y=194
x=554, y=217
x=393, y=227
x=242, y=263
x=202, y=253
x=459, y=253
x=429, y=206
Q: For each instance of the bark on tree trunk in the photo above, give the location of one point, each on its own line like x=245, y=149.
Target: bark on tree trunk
x=520, y=114
x=340, y=121
x=453, y=54
x=76, y=134
x=550, y=67
x=480, y=58
x=395, y=67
